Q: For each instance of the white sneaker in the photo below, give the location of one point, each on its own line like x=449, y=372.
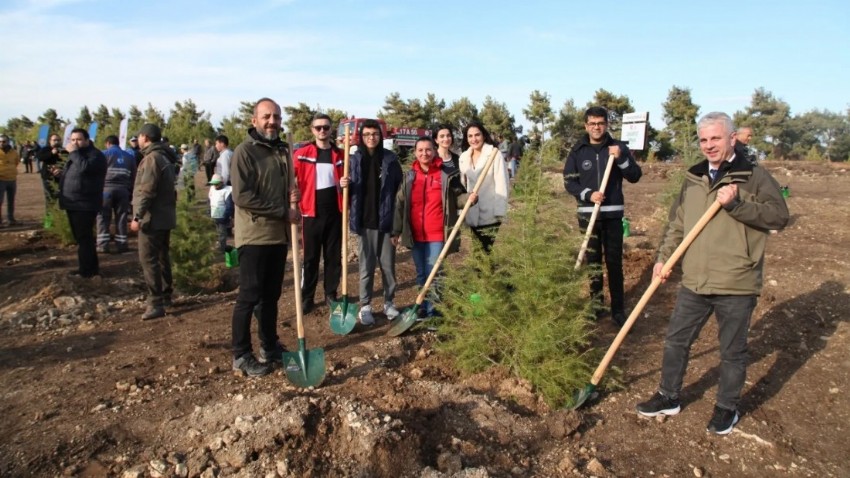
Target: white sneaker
x=391, y=311
x=365, y=315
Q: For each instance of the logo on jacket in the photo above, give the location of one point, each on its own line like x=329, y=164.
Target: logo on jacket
x=586, y=165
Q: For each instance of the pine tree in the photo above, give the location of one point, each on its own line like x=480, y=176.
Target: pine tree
x=192, y=241
x=523, y=307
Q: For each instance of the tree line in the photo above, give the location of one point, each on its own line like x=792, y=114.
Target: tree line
x=814, y=135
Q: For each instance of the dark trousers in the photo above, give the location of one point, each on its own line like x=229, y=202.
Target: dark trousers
x=260, y=280
x=82, y=227
x=117, y=202
x=322, y=237
x=7, y=190
x=607, y=240
x=209, y=169
x=156, y=265
x=486, y=235
x=28, y=166
x=692, y=311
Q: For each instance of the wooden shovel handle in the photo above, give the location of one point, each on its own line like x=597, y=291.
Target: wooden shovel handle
x=656, y=281
x=345, y=169
x=421, y=297
x=596, y=208
x=296, y=258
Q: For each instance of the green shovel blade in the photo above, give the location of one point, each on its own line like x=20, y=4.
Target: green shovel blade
x=305, y=368
x=583, y=395
x=404, y=321
x=343, y=316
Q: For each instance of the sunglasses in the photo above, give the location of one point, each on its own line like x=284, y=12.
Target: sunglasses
x=322, y=127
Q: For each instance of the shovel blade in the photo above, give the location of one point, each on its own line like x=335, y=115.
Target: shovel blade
x=343, y=316
x=583, y=395
x=304, y=368
x=404, y=321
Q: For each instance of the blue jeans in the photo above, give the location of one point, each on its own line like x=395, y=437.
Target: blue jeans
x=425, y=254
x=692, y=311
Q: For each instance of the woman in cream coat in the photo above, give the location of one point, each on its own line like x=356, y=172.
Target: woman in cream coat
x=485, y=217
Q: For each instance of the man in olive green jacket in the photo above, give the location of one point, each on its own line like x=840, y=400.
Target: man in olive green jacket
x=155, y=207
x=722, y=268
x=261, y=176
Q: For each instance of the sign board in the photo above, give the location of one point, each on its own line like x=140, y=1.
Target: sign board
x=634, y=130
x=43, y=131
x=634, y=134
x=122, y=133
x=642, y=116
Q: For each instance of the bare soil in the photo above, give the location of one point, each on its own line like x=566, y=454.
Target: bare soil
x=87, y=389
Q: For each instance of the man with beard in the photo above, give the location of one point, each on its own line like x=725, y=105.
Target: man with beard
x=155, y=206
x=81, y=196
x=262, y=192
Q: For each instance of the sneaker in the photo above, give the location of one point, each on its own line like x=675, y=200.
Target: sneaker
x=103, y=249
x=248, y=365
x=659, y=404
x=390, y=310
x=153, y=312
x=330, y=298
x=274, y=355
x=723, y=421
x=365, y=315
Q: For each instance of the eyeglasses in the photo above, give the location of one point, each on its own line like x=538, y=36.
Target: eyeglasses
x=371, y=135
x=598, y=124
x=322, y=127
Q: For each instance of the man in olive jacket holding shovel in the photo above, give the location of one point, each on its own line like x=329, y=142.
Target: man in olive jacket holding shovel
x=722, y=268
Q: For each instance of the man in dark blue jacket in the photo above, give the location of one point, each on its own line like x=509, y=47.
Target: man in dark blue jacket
x=120, y=175
x=81, y=196
x=375, y=179
x=583, y=173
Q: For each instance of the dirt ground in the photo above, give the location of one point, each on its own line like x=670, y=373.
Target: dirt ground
x=87, y=389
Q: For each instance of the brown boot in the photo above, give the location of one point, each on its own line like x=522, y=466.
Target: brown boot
x=153, y=312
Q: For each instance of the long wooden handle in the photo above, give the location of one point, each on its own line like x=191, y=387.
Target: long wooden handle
x=656, y=281
x=296, y=257
x=345, y=169
x=421, y=297
x=596, y=208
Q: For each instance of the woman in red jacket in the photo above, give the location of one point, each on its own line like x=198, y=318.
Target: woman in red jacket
x=426, y=209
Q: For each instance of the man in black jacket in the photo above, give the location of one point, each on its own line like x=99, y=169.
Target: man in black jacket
x=81, y=196
x=583, y=173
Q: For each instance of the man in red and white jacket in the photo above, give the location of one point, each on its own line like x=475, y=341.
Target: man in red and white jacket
x=318, y=168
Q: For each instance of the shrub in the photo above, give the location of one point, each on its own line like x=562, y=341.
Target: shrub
x=524, y=307
x=56, y=224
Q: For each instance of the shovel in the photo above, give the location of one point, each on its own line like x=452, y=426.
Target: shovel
x=343, y=314
x=409, y=316
x=304, y=368
x=595, y=213
x=582, y=395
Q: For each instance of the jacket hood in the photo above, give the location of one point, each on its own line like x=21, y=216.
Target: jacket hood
x=163, y=149
x=738, y=164
x=584, y=140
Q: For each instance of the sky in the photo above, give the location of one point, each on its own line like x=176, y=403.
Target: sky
x=350, y=55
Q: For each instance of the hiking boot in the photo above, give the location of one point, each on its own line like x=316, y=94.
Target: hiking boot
x=390, y=311
x=275, y=355
x=659, y=404
x=619, y=319
x=365, y=315
x=248, y=365
x=723, y=421
x=153, y=312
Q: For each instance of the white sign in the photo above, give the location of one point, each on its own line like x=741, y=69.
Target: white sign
x=636, y=117
x=634, y=134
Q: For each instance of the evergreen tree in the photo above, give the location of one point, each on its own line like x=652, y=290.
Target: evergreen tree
x=769, y=117
x=136, y=120
x=539, y=112
x=154, y=116
x=186, y=123
x=680, y=114
x=523, y=307
x=617, y=106
x=336, y=116
x=84, y=119
x=298, y=121
x=192, y=244
x=460, y=113
x=497, y=119
x=53, y=121
x=569, y=126
x=236, y=126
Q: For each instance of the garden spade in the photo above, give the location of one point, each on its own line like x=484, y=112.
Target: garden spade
x=589, y=389
x=304, y=368
x=408, y=317
x=595, y=213
x=343, y=314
